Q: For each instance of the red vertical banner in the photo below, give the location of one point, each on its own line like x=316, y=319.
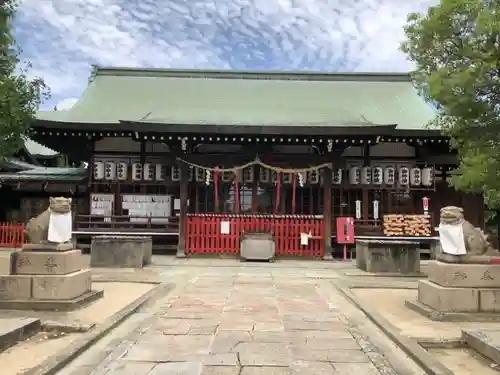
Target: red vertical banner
x=236, y=193
x=345, y=230
x=294, y=192
x=278, y=193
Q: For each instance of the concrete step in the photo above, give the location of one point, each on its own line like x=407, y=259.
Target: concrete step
x=13, y=330
x=484, y=341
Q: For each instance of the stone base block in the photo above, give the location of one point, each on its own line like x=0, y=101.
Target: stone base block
x=448, y=299
x=48, y=263
x=48, y=247
x=388, y=256
x=463, y=275
x=257, y=246
x=61, y=287
x=120, y=251
x=7, y=262
x=15, y=286
x=52, y=305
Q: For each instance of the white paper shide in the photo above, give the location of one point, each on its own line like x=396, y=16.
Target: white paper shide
x=60, y=227
x=452, y=239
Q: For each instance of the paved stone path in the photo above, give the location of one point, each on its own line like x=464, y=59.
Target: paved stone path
x=248, y=321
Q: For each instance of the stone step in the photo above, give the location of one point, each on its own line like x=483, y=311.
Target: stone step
x=13, y=330
x=484, y=341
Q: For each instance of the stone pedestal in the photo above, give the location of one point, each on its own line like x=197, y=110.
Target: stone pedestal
x=380, y=256
x=459, y=291
x=41, y=279
x=121, y=251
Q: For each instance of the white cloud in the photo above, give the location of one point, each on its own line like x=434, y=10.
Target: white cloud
x=63, y=37
x=66, y=104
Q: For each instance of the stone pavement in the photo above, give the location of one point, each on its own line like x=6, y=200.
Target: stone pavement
x=250, y=320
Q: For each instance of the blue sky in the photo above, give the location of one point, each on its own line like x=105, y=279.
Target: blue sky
x=62, y=38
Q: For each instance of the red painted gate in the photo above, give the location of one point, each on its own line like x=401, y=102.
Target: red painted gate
x=221, y=233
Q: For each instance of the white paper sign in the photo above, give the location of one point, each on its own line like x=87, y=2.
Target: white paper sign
x=304, y=239
x=375, y=210
x=358, y=210
x=224, y=227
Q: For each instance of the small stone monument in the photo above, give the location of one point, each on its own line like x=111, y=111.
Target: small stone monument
x=464, y=281
x=48, y=273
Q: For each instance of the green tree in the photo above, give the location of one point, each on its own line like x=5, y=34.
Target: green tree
x=456, y=50
x=20, y=96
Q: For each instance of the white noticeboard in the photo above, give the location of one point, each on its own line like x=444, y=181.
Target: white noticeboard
x=158, y=207
x=224, y=227
x=102, y=205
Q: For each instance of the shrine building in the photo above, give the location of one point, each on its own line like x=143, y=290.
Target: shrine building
x=201, y=157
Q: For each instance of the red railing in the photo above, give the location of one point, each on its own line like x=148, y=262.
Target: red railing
x=222, y=233
x=11, y=235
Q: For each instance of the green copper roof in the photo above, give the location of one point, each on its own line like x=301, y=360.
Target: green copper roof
x=247, y=98
x=46, y=174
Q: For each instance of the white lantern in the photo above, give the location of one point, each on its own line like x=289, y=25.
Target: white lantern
x=354, y=176
x=175, y=173
x=416, y=176
x=427, y=176
x=149, y=172
x=313, y=176
x=137, y=171
x=159, y=172
x=264, y=175
x=98, y=170
x=109, y=170
x=121, y=171
x=404, y=176
x=389, y=175
x=337, y=176
x=377, y=175
x=366, y=175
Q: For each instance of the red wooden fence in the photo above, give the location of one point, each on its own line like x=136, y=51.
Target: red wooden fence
x=11, y=235
x=204, y=233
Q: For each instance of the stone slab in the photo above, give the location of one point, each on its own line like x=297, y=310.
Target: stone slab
x=484, y=341
x=62, y=287
x=488, y=258
x=48, y=263
x=15, y=286
x=446, y=316
x=51, y=305
x=7, y=262
x=448, y=299
x=388, y=256
x=13, y=330
x=48, y=247
x=464, y=275
x=120, y=251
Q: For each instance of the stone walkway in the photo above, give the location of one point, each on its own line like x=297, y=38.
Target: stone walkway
x=249, y=320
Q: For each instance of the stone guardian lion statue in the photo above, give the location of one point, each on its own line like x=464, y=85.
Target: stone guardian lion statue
x=37, y=228
x=476, y=241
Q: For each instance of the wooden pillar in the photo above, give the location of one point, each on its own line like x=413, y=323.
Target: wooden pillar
x=181, y=245
x=327, y=212
x=255, y=188
x=365, y=196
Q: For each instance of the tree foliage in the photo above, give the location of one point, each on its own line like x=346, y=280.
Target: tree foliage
x=456, y=49
x=20, y=96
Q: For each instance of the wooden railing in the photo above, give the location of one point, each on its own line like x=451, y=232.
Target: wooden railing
x=11, y=235
x=137, y=224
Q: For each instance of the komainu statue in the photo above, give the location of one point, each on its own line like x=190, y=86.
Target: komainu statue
x=56, y=219
x=476, y=241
